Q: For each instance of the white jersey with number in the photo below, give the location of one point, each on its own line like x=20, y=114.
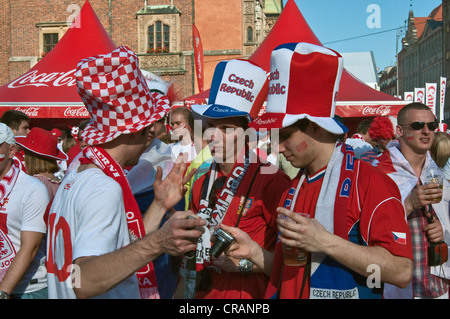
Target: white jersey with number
x=87, y=218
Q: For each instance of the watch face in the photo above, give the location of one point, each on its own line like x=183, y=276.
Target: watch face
x=245, y=265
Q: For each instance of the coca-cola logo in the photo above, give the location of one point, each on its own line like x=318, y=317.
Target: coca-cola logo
x=76, y=112
x=30, y=111
x=380, y=110
x=36, y=79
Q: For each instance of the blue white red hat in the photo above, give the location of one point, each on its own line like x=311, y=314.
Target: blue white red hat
x=239, y=88
x=117, y=96
x=304, y=81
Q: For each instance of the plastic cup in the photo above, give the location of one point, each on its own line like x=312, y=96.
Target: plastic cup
x=435, y=175
x=293, y=256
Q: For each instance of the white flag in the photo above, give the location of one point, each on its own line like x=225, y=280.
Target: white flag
x=409, y=96
x=419, y=95
x=431, y=96
x=442, y=98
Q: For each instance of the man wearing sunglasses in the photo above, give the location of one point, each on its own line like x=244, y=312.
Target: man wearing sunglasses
x=406, y=162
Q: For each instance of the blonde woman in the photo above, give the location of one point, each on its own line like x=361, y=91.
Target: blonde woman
x=440, y=152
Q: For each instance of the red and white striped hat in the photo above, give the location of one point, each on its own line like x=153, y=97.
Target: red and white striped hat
x=117, y=96
x=304, y=82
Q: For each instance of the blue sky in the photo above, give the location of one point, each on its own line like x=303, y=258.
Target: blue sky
x=369, y=22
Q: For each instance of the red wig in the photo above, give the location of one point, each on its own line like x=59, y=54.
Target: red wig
x=381, y=128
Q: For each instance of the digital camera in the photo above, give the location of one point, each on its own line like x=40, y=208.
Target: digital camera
x=223, y=241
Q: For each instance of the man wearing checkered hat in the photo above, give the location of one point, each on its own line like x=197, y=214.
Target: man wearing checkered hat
x=355, y=233
x=238, y=189
x=98, y=243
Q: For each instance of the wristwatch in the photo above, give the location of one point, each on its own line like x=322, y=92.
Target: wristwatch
x=4, y=295
x=245, y=266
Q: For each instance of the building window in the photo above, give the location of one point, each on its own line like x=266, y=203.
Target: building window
x=49, y=35
x=50, y=41
x=249, y=34
x=158, y=38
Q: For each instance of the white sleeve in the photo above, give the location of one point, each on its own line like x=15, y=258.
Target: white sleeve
x=34, y=204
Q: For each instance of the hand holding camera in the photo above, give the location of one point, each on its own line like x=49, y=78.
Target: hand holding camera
x=222, y=242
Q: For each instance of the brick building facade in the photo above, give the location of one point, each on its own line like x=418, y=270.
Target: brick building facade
x=228, y=28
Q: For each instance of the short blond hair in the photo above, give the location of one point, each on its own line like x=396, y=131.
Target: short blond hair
x=440, y=149
x=36, y=164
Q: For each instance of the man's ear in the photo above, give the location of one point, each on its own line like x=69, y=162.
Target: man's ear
x=399, y=130
x=12, y=150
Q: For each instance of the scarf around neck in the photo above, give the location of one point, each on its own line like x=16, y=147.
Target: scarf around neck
x=215, y=215
x=7, y=251
x=146, y=276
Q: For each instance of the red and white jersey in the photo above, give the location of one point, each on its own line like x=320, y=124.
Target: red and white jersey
x=24, y=210
x=87, y=218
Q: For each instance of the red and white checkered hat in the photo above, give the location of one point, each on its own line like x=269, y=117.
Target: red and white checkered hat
x=117, y=96
x=304, y=82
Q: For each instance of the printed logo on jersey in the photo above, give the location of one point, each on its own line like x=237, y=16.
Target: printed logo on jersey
x=243, y=210
x=7, y=252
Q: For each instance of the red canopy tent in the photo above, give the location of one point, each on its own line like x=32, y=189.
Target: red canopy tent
x=355, y=99
x=47, y=92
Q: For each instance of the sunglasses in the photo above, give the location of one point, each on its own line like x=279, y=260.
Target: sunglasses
x=417, y=126
x=218, y=184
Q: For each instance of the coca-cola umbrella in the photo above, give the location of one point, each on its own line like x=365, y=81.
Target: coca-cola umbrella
x=47, y=92
x=354, y=100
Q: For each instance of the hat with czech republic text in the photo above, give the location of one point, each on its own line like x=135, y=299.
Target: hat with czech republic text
x=304, y=81
x=117, y=96
x=239, y=88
